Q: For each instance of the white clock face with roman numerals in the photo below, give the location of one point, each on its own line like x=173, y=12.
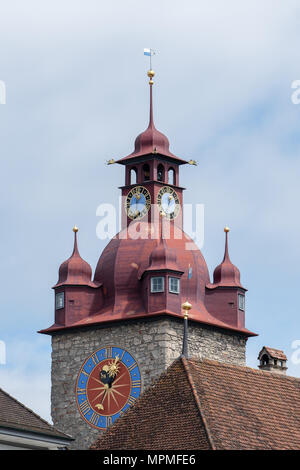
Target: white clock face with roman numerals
x=168, y=202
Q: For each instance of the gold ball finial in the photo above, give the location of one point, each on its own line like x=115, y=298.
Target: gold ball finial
x=186, y=306
x=75, y=229
x=151, y=74
x=226, y=229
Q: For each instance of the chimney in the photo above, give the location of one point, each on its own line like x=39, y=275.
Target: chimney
x=272, y=360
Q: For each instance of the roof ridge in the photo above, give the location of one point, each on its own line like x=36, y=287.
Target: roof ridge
x=32, y=412
x=237, y=366
x=198, y=402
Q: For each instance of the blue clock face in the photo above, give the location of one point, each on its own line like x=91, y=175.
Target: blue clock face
x=138, y=202
x=108, y=383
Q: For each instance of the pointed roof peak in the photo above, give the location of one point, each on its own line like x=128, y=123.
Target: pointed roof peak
x=163, y=257
x=75, y=270
x=75, y=249
x=151, y=141
x=226, y=253
x=227, y=274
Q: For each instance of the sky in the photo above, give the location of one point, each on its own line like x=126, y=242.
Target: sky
x=77, y=96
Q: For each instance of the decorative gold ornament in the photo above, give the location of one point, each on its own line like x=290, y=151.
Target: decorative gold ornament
x=75, y=229
x=226, y=229
x=110, y=162
x=186, y=306
x=151, y=74
x=193, y=162
x=112, y=368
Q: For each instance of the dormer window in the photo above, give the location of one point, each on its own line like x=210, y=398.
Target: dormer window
x=174, y=285
x=241, y=302
x=59, y=300
x=157, y=284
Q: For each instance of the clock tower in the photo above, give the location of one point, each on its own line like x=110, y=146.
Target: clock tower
x=114, y=334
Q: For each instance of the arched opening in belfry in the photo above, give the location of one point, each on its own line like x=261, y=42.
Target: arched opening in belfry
x=133, y=176
x=160, y=173
x=146, y=172
x=171, y=176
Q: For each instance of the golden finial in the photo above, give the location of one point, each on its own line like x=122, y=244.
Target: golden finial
x=110, y=162
x=151, y=74
x=186, y=306
x=226, y=229
x=193, y=162
x=75, y=229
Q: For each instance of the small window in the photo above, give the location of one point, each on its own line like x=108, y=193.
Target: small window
x=60, y=300
x=241, y=302
x=157, y=284
x=174, y=285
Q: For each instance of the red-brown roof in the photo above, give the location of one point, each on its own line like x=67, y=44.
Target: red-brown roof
x=210, y=405
x=14, y=415
x=151, y=141
x=158, y=420
x=75, y=270
x=226, y=274
x=117, y=272
x=275, y=353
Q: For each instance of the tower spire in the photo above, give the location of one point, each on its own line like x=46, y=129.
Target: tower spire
x=151, y=74
x=226, y=254
x=75, y=249
x=151, y=141
x=75, y=270
x=227, y=274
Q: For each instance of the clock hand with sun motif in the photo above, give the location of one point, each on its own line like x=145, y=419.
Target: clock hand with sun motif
x=107, y=375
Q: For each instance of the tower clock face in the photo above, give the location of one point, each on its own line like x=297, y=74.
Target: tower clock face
x=138, y=202
x=168, y=202
x=108, y=383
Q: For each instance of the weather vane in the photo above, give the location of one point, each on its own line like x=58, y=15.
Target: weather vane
x=149, y=53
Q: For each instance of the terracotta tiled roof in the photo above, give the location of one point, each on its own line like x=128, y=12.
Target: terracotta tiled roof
x=211, y=405
x=15, y=415
x=159, y=418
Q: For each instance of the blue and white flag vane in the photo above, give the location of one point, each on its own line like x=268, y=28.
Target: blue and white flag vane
x=149, y=53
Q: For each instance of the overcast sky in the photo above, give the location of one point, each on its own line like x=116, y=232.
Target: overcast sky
x=77, y=95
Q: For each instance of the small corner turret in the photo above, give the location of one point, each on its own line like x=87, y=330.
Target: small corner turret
x=225, y=298
x=72, y=289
